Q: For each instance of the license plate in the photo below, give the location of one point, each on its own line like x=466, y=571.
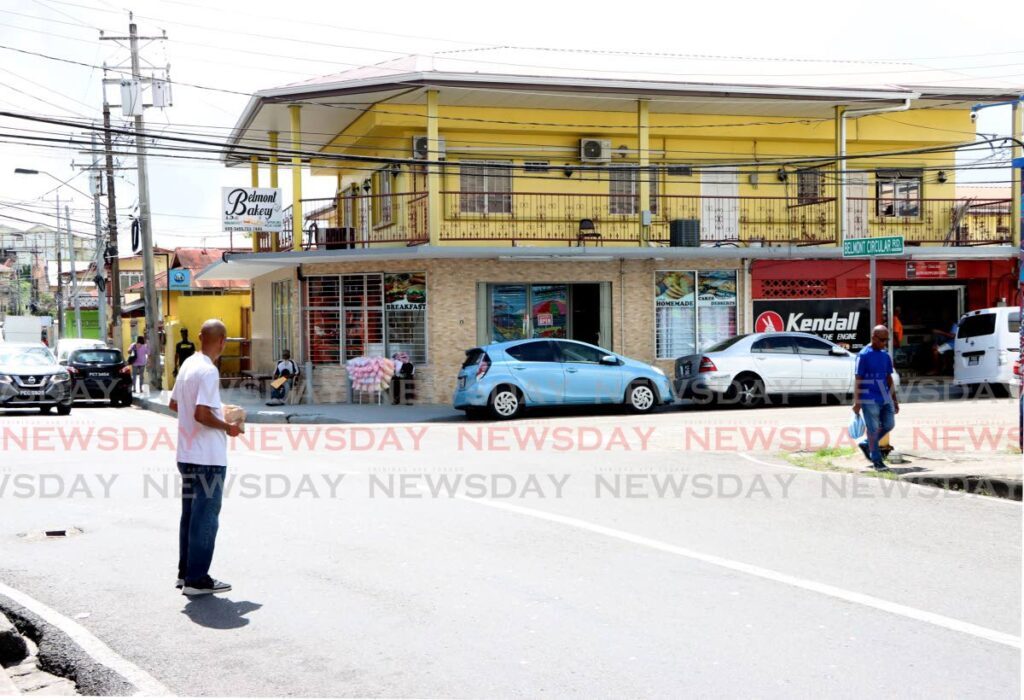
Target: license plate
x=973, y=360
x=462, y=382
x=33, y=393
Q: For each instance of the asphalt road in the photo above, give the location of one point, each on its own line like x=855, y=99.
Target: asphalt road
x=352, y=579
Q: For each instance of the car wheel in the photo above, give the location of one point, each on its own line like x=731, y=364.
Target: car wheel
x=747, y=392
x=640, y=397
x=63, y=409
x=505, y=403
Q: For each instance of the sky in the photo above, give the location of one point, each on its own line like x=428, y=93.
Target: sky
x=216, y=45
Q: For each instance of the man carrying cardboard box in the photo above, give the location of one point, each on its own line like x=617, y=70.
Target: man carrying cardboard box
x=202, y=459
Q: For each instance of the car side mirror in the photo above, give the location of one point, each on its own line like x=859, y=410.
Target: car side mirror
x=838, y=351
x=609, y=360
x=63, y=362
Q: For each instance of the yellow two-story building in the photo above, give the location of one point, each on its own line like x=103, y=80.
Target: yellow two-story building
x=648, y=213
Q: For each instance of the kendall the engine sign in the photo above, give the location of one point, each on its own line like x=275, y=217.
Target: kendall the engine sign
x=843, y=321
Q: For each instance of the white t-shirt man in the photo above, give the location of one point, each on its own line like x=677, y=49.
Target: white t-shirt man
x=198, y=384
x=287, y=366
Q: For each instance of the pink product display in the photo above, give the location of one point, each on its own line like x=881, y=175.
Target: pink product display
x=370, y=373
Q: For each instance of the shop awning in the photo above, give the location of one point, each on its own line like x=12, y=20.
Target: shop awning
x=248, y=266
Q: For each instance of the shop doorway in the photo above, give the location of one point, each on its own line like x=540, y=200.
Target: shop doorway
x=545, y=310
x=585, y=302
x=927, y=314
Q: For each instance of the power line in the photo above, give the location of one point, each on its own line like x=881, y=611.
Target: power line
x=452, y=118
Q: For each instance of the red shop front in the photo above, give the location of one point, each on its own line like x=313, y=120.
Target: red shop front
x=831, y=297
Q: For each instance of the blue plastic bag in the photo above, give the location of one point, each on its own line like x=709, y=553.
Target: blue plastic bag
x=856, y=428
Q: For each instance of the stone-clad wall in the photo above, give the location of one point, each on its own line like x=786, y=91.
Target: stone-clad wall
x=451, y=308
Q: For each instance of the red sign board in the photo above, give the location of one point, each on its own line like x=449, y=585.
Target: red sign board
x=930, y=269
x=769, y=322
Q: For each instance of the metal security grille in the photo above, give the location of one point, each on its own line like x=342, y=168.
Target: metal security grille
x=323, y=319
x=371, y=315
x=281, y=316
x=797, y=289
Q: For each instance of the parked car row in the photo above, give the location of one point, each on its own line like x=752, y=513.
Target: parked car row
x=745, y=370
x=83, y=370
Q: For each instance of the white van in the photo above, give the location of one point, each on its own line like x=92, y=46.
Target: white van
x=987, y=346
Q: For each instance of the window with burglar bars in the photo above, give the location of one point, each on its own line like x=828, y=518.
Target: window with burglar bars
x=624, y=190
x=383, y=203
x=485, y=189
x=127, y=279
x=898, y=193
x=374, y=315
x=809, y=185
x=281, y=316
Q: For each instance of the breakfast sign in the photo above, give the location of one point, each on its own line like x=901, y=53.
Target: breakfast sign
x=405, y=290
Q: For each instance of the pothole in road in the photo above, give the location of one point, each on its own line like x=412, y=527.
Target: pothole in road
x=55, y=534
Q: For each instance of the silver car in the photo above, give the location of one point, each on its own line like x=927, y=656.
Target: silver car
x=745, y=370
x=31, y=378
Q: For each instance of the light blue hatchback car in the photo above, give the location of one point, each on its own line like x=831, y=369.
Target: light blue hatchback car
x=505, y=378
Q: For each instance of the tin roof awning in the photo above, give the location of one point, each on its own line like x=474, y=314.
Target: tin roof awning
x=248, y=266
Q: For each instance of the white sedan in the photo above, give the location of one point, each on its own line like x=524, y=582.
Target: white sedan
x=746, y=369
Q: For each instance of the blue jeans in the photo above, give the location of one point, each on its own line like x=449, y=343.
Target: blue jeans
x=202, y=487
x=282, y=391
x=138, y=377
x=879, y=419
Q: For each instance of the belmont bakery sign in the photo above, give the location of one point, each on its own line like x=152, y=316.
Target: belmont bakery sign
x=252, y=209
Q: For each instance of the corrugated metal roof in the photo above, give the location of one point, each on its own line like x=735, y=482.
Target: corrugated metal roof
x=196, y=260
x=248, y=266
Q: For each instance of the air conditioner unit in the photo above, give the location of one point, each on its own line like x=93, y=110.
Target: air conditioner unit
x=595, y=150
x=421, y=147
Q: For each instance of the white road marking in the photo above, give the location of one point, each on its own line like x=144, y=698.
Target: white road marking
x=779, y=465
x=767, y=574
x=144, y=683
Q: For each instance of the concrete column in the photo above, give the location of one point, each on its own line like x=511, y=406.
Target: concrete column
x=254, y=176
x=296, y=116
x=275, y=238
x=1015, y=193
x=643, y=177
x=840, y=170
x=433, y=171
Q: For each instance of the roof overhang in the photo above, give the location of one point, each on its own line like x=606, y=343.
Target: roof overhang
x=249, y=266
x=329, y=107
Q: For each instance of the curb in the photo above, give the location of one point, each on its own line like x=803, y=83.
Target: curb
x=7, y=687
x=1000, y=486
x=59, y=655
x=281, y=417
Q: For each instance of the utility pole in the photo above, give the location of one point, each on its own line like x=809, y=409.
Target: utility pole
x=74, y=274
x=115, y=271
x=96, y=180
x=145, y=227
x=60, y=274
x=145, y=222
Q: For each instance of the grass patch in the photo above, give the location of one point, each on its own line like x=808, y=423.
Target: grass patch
x=823, y=460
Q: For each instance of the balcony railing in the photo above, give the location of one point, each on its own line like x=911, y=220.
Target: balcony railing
x=542, y=218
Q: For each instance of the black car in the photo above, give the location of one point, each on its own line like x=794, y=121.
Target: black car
x=31, y=378
x=100, y=374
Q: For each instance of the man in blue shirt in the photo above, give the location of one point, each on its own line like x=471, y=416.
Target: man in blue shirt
x=875, y=396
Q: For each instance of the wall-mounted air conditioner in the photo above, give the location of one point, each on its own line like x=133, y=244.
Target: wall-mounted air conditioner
x=421, y=147
x=595, y=150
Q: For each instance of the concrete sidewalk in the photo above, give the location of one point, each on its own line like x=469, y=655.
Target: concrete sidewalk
x=258, y=412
